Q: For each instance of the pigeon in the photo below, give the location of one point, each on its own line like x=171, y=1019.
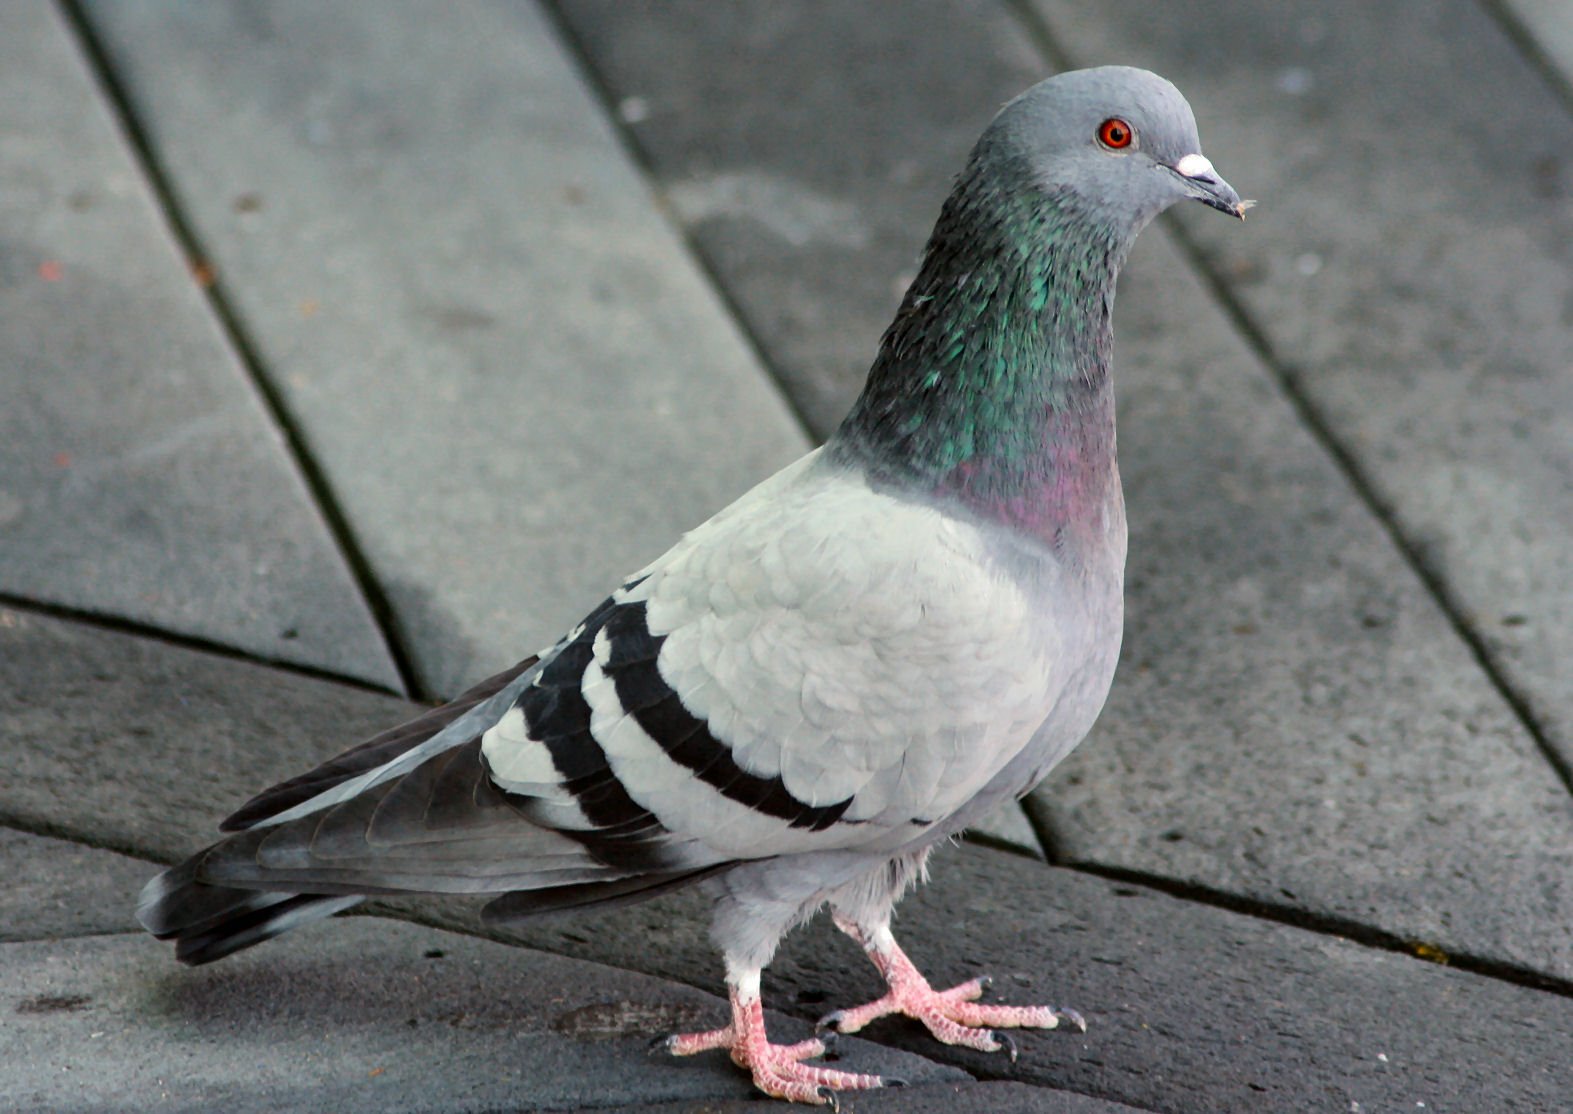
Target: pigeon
x=860, y=657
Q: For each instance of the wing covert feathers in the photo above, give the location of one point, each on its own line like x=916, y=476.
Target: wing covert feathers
x=374, y=752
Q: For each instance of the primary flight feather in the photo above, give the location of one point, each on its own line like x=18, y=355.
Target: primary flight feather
x=867, y=652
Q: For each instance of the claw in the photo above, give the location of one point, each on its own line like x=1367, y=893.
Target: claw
x=1071, y=1017
x=830, y=1023
x=830, y=1098
x=660, y=1044
x=1007, y=1042
x=892, y=1081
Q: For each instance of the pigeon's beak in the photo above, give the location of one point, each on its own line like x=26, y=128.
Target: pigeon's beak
x=1202, y=183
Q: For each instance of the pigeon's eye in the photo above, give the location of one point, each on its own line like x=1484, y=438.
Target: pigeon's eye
x=1115, y=133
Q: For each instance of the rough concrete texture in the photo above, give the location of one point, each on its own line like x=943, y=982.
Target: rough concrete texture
x=1192, y=1008
x=1294, y=722
x=140, y=475
x=1008, y=826
x=131, y=743
x=1408, y=268
x=55, y=888
x=418, y=1020
x=516, y=380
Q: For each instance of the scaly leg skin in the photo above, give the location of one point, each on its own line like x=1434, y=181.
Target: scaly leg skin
x=778, y=1069
x=953, y=1016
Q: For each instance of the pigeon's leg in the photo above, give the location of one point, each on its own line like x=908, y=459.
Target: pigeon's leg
x=778, y=1069
x=953, y=1016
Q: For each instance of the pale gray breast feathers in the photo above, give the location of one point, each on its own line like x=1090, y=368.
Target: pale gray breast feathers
x=818, y=666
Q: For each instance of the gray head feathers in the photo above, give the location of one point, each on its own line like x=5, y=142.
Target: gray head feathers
x=1122, y=140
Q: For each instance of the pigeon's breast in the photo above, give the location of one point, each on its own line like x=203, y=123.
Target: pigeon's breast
x=869, y=654
x=1077, y=587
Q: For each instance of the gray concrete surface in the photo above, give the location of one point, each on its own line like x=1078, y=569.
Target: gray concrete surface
x=57, y=888
x=813, y=193
x=506, y=272
x=1546, y=27
x=475, y=376
x=1295, y=720
x=140, y=476
x=134, y=744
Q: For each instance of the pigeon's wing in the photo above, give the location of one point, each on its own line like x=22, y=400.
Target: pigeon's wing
x=369, y=755
x=821, y=665
x=416, y=809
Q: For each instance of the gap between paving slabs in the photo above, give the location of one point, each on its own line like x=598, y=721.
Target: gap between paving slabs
x=1190, y=1008
x=244, y=350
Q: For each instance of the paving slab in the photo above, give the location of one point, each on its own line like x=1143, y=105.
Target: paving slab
x=515, y=378
x=361, y=1014
x=1409, y=270
x=54, y=887
x=1008, y=826
x=1294, y=722
x=140, y=475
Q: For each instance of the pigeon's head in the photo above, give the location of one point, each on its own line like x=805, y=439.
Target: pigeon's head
x=1121, y=141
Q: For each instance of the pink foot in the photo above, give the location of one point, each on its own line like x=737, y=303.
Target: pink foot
x=778, y=1069
x=953, y=1016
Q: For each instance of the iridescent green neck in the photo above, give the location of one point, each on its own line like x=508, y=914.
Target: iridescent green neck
x=991, y=386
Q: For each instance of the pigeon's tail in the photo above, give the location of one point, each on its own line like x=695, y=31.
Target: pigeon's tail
x=416, y=811
x=209, y=922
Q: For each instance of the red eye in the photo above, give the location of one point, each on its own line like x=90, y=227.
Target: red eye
x=1115, y=133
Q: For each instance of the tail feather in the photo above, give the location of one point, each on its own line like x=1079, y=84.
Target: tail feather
x=209, y=922
x=242, y=931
